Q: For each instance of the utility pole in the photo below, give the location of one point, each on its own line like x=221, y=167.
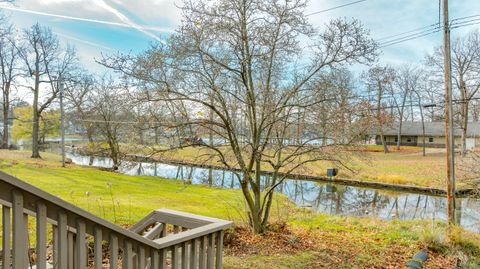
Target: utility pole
x=62, y=121
x=449, y=135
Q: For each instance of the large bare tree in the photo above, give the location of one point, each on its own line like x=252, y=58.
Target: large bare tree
x=46, y=62
x=9, y=72
x=239, y=69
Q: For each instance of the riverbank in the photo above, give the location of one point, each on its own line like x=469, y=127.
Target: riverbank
x=395, y=180
x=365, y=163
x=297, y=236
x=466, y=192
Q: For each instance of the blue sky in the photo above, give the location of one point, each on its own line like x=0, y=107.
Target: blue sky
x=130, y=26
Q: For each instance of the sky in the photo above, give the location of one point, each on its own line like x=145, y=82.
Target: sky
x=108, y=26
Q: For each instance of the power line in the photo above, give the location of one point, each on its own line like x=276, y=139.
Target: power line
x=410, y=35
x=424, y=28
x=427, y=30
x=468, y=24
x=466, y=17
x=387, y=44
x=337, y=7
x=465, y=23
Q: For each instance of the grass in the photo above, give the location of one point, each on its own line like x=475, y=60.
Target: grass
x=310, y=240
x=132, y=197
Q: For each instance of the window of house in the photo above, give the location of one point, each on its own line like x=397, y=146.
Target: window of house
x=396, y=139
x=409, y=139
x=430, y=139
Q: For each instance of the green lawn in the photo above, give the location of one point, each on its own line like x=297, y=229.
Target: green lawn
x=309, y=240
x=132, y=197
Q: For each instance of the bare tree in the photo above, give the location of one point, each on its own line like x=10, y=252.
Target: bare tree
x=339, y=115
x=465, y=74
x=406, y=85
x=379, y=80
x=46, y=62
x=236, y=58
x=78, y=94
x=110, y=115
x=9, y=71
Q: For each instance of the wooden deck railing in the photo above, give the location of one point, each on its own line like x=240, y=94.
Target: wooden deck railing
x=69, y=237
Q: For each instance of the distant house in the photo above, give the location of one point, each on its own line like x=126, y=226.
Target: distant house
x=412, y=134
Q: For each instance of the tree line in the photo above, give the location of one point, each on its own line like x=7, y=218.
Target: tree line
x=415, y=92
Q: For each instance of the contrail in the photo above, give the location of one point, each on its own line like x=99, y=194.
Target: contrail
x=124, y=18
x=119, y=24
x=84, y=41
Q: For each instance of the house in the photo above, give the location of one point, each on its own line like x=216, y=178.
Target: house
x=412, y=134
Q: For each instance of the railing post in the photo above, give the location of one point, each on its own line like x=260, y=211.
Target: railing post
x=113, y=245
x=70, y=248
x=202, y=252
x=175, y=257
x=127, y=258
x=6, y=230
x=163, y=258
x=62, y=250
x=27, y=239
x=41, y=236
x=185, y=255
x=55, y=245
x=154, y=259
x=219, y=250
x=193, y=254
x=141, y=256
x=81, y=246
x=19, y=235
x=97, y=247
x=211, y=246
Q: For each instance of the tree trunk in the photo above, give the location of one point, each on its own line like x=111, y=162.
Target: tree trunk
x=399, y=134
x=5, y=138
x=400, y=119
x=269, y=201
x=384, y=143
x=253, y=208
x=36, y=127
x=36, y=113
x=210, y=177
x=258, y=227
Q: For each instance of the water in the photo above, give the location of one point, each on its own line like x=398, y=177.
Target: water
x=321, y=197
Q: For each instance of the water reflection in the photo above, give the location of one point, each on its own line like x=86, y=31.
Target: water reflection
x=321, y=197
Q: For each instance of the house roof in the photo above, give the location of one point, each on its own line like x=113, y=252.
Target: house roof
x=431, y=129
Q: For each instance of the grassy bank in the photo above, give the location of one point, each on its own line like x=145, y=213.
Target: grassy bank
x=406, y=166
x=296, y=239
